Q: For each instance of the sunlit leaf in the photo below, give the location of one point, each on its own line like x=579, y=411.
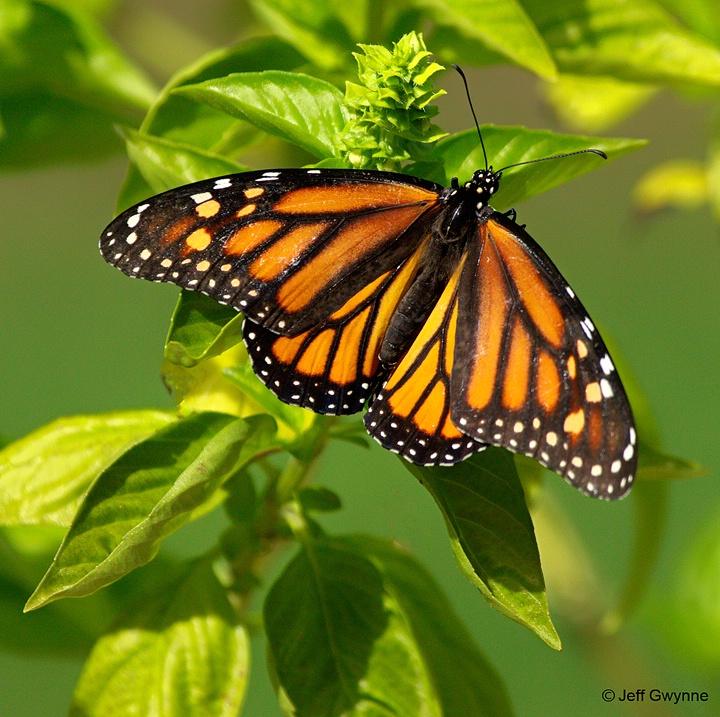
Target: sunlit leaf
x=298, y=108
x=313, y=28
x=179, y=119
x=44, y=476
x=200, y=329
x=180, y=652
x=635, y=40
x=501, y=25
x=148, y=493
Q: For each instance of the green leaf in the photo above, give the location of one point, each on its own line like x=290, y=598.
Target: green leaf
x=492, y=535
x=44, y=476
x=591, y=104
x=148, y=493
x=356, y=627
x=313, y=28
x=676, y=184
x=165, y=164
x=501, y=25
x=323, y=617
x=295, y=107
x=461, y=154
x=200, y=329
x=634, y=40
x=180, y=652
x=179, y=119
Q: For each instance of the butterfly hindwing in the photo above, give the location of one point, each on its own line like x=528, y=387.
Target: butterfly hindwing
x=333, y=368
x=533, y=374
x=411, y=414
x=287, y=248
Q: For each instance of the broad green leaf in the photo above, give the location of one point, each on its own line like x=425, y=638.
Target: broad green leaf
x=441, y=640
x=181, y=120
x=653, y=464
x=356, y=627
x=459, y=155
x=502, y=25
x=313, y=28
x=148, y=493
x=295, y=107
x=635, y=40
x=178, y=118
x=44, y=476
x=68, y=55
x=165, y=164
x=67, y=627
x=200, y=329
x=591, y=104
x=676, y=184
x=181, y=652
x=492, y=535
x=323, y=617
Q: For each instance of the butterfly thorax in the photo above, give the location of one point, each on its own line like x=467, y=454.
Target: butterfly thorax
x=466, y=205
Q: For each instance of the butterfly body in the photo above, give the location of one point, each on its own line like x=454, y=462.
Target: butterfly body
x=421, y=300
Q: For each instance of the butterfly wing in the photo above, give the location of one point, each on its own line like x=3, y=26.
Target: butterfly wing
x=333, y=368
x=288, y=248
x=411, y=415
x=532, y=373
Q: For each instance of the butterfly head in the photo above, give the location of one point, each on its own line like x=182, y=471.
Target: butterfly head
x=483, y=185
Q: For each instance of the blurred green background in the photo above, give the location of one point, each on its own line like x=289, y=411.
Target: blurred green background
x=79, y=337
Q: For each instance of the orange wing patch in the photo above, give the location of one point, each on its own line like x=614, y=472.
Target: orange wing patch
x=350, y=198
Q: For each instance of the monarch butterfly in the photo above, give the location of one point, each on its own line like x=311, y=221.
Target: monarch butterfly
x=375, y=287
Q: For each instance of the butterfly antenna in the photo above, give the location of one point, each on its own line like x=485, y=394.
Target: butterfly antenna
x=599, y=152
x=472, y=109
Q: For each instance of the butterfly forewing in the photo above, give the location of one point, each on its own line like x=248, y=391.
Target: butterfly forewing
x=533, y=374
x=287, y=247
